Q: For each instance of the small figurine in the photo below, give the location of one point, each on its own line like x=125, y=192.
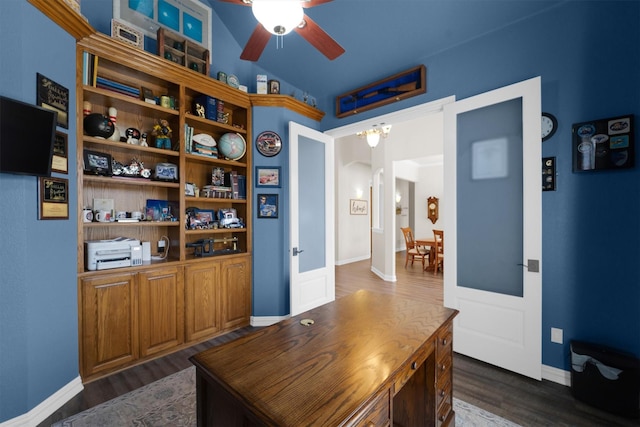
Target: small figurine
x=143, y=140
x=133, y=136
x=162, y=132
x=113, y=118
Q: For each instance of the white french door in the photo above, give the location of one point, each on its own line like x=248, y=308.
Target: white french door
x=493, y=226
x=311, y=194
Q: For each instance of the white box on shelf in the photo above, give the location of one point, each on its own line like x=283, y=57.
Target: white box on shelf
x=261, y=86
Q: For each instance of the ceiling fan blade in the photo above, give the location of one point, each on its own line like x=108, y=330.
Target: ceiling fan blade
x=309, y=3
x=240, y=2
x=256, y=44
x=322, y=41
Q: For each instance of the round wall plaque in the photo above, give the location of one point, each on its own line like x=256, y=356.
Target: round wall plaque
x=268, y=143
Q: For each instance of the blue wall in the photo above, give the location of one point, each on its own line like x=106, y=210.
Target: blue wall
x=271, y=260
x=38, y=291
x=591, y=231
x=587, y=54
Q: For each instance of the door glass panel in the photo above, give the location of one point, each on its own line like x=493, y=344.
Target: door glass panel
x=489, y=199
x=311, y=199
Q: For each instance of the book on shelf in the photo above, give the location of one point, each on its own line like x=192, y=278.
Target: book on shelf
x=89, y=69
x=121, y=92
x=188, y=135
x=106, y=83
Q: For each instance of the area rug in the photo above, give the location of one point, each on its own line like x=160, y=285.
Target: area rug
x=171, y=401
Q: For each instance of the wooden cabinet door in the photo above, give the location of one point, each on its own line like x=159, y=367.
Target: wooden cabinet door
x=108, y=325
x=161, y=311
x=236, y=292
x=202, y=300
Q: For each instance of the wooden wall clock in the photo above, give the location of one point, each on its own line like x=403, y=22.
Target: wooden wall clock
x=432, y=209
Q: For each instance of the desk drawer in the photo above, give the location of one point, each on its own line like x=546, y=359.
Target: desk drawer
x=410, y=368
x=445, y=416
x=376, y=414
x=445, y=338
x=443, y=392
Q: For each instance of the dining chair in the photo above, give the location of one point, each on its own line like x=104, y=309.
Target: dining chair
x=413, y=251
x=438, y=253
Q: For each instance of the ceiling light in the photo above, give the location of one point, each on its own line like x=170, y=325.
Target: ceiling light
x=279, y=17
x=373, y=135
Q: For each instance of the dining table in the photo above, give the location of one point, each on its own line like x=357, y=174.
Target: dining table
x=429, y=242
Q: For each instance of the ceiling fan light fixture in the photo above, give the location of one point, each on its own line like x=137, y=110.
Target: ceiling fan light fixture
x=373, y=135
x=279, y=17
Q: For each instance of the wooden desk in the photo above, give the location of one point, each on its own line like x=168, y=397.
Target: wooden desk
x=369, y=359
x=431, y=242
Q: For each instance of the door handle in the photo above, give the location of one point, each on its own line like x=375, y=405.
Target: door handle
x=296, y=251
x=533, y=265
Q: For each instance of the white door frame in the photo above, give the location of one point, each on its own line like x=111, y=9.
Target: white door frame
x=383, y=258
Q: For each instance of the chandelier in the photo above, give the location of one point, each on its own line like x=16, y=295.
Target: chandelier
x=373, y=135
x=279, y=17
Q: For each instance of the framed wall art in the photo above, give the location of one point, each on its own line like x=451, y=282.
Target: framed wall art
x=358, y=207
x=60, y=158
x=603, y=144
x=53, y=197
x=267, y=176
x=267, y=205
x=268, y=143
x=391, y=89
x=54, y=97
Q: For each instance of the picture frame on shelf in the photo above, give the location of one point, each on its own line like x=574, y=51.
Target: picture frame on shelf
x=274, y=87
x=268, y=176
x=267, y=206
x=97, y=163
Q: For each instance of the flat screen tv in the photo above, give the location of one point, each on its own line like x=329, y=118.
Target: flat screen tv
x=27, y=133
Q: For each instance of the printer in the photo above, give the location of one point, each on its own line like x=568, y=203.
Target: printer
x=112, y=253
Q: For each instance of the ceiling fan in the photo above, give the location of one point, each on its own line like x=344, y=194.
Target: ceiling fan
x=302, y=24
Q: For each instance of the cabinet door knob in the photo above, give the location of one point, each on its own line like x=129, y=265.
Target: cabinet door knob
x=414, y=365
x=444, y=341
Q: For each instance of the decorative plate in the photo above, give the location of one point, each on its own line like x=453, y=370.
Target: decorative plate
x=233, y=81
x=268, y=143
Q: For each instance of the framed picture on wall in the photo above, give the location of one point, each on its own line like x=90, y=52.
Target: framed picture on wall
x=358, y=207
x=267, y=176
x=267, y=206
x=603, y=144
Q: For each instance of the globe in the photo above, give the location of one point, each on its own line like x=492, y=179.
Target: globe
x=232, y=146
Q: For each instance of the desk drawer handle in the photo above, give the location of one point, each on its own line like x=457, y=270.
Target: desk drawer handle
x=371, y=424
x=443, y=367
x=442, y=393
x=414, y=365
x=441, y=418
x=444, y=341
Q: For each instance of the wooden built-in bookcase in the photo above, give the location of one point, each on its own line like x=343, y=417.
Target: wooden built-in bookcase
x=131, y=314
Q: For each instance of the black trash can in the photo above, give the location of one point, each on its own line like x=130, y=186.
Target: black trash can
x=605, y=378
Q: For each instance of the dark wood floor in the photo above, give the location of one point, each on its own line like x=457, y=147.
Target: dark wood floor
x=519, y=399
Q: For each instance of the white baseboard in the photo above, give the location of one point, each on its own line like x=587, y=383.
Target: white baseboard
x=556, y=375
x=47, y=407
x=350, y=260
x=381, y=275
x=265, y=320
